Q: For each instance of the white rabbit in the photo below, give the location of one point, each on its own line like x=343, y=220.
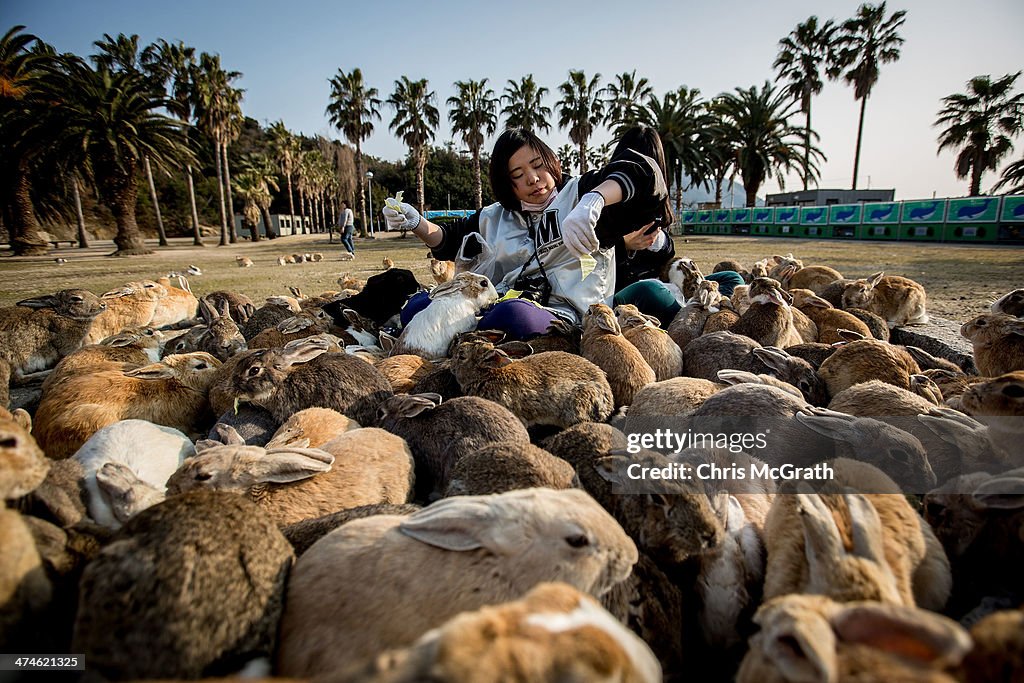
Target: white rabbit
x=452, y=311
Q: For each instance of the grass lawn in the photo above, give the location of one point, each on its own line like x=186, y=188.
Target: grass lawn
x=960, y=279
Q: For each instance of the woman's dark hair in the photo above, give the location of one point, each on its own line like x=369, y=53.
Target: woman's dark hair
x=646, y=140
x=508, y=143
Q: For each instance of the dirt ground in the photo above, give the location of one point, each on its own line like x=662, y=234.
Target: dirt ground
x=961, y=280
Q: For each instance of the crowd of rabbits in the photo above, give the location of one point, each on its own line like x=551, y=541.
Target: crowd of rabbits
x=205, y=486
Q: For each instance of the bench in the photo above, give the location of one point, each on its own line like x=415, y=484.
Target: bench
x=56, y=243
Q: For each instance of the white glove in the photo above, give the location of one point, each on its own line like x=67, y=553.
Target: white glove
x=408, y=219
x=578, y=227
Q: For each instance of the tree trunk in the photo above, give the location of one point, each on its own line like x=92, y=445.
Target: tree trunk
x=751, y=195
x=271, y=233
x=231, y=204
x=477, y=182
x=583, y=157
x=807, y=149
x=220, y=192
x=976, y=171
x=860, y=131
x=302, y=210
x=156, y=203
x=24, y=229
x=719, y=179
x=83, y=242
x=197, y=236
x=359, y=182
x=121, y=198
x=291, y=201
x=421, y=166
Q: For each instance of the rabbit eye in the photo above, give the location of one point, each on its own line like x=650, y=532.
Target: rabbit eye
x=1013, y=391
x=201, y=365
x=9, y=442
x=900, y=456
x=577, y=541
x=77, y=299
x=254, y=371
x=203, y=476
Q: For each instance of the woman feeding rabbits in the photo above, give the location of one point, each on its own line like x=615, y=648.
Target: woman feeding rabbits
x=538, y=243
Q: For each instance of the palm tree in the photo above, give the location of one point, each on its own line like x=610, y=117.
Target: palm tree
x=109, y=123
x=472, y=116
x=1012, y=178
x=21, y=102
x=567, y=157
x=625, y=99
x=415, y=120
x=862, y=45
x=174, y=64
x=250, y=190
x=756, y=126
x=352, y=109
x=215, y=105
x=801, y=56
x=232, y=132
x=285, y=147
x=524, y=106
x=261, y=173
x=122, y=54
x=580, y=110
x=981, y=124
x=684, y=124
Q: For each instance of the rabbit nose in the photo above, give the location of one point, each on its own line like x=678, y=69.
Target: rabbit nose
x=708, y=539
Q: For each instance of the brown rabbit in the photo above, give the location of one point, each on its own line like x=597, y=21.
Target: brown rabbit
x=998, y=341
x=899, y=300
x=550, y=388
x=286, y=380
x=443, y=271
x=605, y=347
x=814, y=278
x=691, y=320
x=655, y=345
x=827, y=318
x=769, y=320
x=865, y=360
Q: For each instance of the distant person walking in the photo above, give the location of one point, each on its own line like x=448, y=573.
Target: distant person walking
x=348, y=228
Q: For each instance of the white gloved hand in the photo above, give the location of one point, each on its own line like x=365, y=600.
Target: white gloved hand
x=407, y=219
x=578, y=227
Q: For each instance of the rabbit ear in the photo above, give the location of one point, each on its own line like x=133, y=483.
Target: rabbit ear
x=458, y=523
x=866, y=528
x=22, y=417
x=822, y=542
x=495, y=358
x=204, y=444
x=774, y=358
x=115, y=479
x=612, y=468
x=302, y=353
x=849, y=335
x=453, y=286
x=387, y=342
x=517, y=349
x=559, y=326
x=119, y=340
x=803, y=649
x=411, y=406
x=294, y=324
x=873, y=280
x=350, y=315
x=152, y=371
x=207, y=311
x=1003, y=493
x=281, y=466
x=738, y=377
x=48, y=301
x=833, y=427
x=493, y=336
x=228, y=435
x=905, y=631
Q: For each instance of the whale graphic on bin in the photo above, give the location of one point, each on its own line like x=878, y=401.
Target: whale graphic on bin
x=970, y=212
x=923, y=213
x=843, y=215
x=1018, y=211
x=704, y=218
x=784, y=216
x=689, y=217
x=882, y=214
x=741, y=216
x=760, y=216
x=814, y=216
x=722, y=216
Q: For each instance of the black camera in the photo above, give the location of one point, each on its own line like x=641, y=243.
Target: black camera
x=534, y=288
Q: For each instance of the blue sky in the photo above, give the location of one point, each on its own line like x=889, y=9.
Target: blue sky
x=288, y=51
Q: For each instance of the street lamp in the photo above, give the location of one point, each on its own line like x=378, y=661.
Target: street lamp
x=369, y=177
